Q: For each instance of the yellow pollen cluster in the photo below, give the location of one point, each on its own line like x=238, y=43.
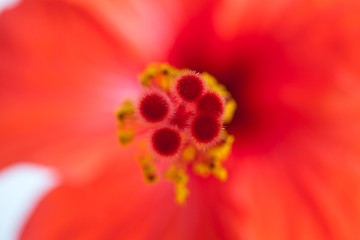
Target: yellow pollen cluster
x=202, y=161
x=125, y=115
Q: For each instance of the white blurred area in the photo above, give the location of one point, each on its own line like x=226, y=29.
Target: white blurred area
x=6, y=4
x=22, y=186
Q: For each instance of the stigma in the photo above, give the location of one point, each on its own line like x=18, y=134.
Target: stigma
x=178, y=119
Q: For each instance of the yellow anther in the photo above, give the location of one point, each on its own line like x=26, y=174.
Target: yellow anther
x=202, y=169
x=222, y=151
x=189, y=153
x=124, y=114
x=168, y=74
x=215, y=85
x=230, y=108
x=176, y=175
x=218, y=170
x=181, y=193
x=147, y=76
x=127, y=110
x=220, y=173
x=126, y=136
x=217, y=155
x=149, y=169
x=214, y=167
x=145, y=159
x=180, y=179
x=160, y=75
x=168, y=70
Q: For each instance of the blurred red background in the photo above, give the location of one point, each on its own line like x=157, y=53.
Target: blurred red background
x=292, y=66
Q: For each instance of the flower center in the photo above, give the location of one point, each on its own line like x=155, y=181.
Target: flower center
x=179, y=118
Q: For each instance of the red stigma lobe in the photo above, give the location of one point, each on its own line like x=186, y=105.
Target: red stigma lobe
x=205, y=129
x=211, y=103
x=190, y=87
x=154, y=107
x=166, y=141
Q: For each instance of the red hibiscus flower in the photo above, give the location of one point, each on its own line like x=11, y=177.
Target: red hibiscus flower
x=292, y=68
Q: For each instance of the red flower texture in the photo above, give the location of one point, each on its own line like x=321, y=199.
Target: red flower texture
x=291, y=66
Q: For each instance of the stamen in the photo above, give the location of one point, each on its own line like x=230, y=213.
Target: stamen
x=178, y=122
x=189, y=153
x=148, y=169
x=180, y=179
x=125, y=112
x=126, y=136
x=125, y=115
